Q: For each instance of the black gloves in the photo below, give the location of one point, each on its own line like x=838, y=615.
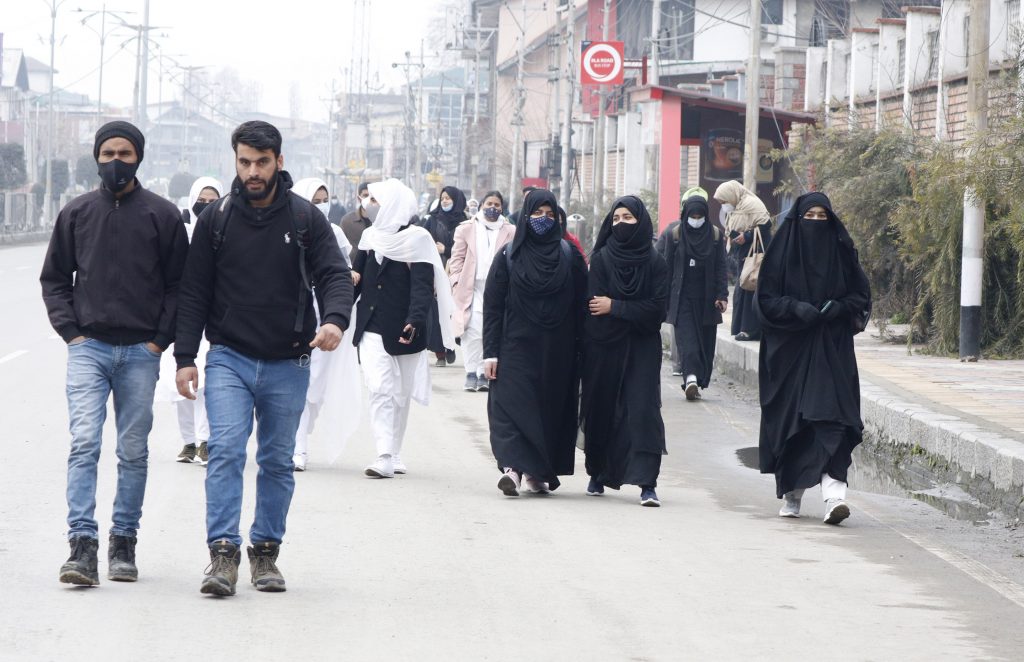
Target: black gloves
x=835, y=311
x=805, y=312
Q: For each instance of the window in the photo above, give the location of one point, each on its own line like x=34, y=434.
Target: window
x=675, y=40
x=1012, y=12
x=967, y=35
x=830, y=21
x=902, y=62
x=771, y=12
x=933, y=54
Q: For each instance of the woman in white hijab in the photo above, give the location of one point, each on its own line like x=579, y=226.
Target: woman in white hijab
x=192, y=423
x=334, y=393
x=396, y=261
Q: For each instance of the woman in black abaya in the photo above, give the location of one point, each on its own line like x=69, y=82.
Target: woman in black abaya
x=441, y=224
x=621, y=407
x=534, y=305
x=812, y=298
x=694, y=250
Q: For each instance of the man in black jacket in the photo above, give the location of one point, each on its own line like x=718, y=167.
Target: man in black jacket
x=247, y=283
x=110, y=284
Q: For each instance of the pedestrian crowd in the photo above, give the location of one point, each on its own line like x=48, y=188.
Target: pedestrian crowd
x=283, y=303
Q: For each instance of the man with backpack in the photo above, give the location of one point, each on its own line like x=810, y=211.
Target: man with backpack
x=255, y=257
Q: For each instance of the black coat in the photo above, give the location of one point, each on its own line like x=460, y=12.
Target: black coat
x=391, y=295
x=716, y=283
x=113, y=268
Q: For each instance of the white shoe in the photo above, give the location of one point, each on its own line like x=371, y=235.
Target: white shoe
x=509, y=483
x=691, y=388
x=790, y=506
x=535, y=486
x=398, y=465
x=836, y=511
x=299, y=461
x=381, y=468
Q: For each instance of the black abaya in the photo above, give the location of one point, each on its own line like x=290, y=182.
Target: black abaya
x=621, y=406
x=809, y=385
x=534, y=304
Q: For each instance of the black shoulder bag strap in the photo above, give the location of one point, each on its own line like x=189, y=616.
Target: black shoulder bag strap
x=300, y=213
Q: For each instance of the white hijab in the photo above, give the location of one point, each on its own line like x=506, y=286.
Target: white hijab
x=306, y=189
x=413, y=244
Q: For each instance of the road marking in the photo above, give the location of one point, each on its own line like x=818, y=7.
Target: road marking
x=976, y=570
x=13, y=355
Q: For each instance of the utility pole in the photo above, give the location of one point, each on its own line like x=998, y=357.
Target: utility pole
x=144, y=70
x=555, y=140
x=972, y=262
x=419, y=129
x=515, y=183
x=753, y=99
x=654, y=73
x=570, y=64
x=48, y=199
x=599, y=147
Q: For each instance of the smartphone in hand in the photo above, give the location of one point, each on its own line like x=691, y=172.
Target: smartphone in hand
x=825, y=306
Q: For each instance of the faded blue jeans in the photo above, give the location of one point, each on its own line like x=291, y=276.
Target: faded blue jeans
x=95, y=370
x=237, y=386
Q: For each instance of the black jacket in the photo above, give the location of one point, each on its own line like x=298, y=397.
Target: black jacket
x=247, y=293
x=113, y=267
x=391, y=295
x=716, y=286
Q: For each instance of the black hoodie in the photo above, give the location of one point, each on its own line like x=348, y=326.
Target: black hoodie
x=246, y=294
x=112, y=269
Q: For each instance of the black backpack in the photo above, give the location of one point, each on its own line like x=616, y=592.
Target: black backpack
x=300, y=215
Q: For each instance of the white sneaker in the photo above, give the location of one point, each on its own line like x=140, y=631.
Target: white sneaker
x=381, y=468
x=691, y=388
x=836, y=511
x=535, y=486
x=509, y=483
x=299, y=461
x=398, y=465
x=790, y=505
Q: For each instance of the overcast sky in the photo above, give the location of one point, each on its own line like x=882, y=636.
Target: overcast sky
x=263, y=41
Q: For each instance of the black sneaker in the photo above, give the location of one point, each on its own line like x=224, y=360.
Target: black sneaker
x=222, y=573
x=263, y=565
x=187, y=454
x=441, y=363
x=470, y=384
x=449, y=356
x=121, y=559
x=649, y=498
x=80, y=568
x=203, y=454
x=595, y=488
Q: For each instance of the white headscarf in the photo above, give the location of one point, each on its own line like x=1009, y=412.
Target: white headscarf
x=306, y=189
x=413, y=244
x=199, y=185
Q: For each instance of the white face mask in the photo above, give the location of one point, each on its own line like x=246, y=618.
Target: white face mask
x=324, y=207
x=447, y=206
x=365, y=202
x=727, y=208
x=695, y=223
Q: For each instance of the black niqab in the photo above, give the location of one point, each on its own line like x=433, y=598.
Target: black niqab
x=451, y=219
x=539, y=269
x=630, y=259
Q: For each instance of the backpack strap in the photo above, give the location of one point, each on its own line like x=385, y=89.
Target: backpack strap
x=300, y=214
x=221, y=215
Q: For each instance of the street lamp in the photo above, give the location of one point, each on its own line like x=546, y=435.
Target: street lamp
x=102, y=13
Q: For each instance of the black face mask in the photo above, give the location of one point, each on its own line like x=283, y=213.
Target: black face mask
x=117, y=174
x=199, y=206
x=623, y=232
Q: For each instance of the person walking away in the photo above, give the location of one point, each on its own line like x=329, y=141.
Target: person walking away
x=399, y=266
x=620, y=411
x=694, y=251
x=534, y=306
x=334, y=391
x=477, y=241
x=247, y=282
x=192, y=423
x=746, y=215
x=812, y=298
x=110, y=282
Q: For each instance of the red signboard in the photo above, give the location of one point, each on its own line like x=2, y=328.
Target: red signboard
x=602, y=63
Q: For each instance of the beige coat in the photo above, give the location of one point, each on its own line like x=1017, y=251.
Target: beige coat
x=463, y=262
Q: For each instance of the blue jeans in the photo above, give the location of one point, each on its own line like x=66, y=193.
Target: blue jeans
x=236, y=386
x=95, y=369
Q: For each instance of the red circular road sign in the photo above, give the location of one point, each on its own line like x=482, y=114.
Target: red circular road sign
x=602, y=63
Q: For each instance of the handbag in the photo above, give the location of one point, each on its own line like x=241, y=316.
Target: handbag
x=752, y=263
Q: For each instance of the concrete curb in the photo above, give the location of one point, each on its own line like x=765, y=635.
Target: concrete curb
x=987, y=464
x=19, y=238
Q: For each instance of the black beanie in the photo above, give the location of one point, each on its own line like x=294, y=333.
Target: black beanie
x=119, y=129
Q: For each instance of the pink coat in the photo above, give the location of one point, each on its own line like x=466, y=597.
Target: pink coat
x=463, y=260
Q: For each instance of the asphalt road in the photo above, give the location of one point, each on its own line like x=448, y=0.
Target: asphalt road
x=439, y=565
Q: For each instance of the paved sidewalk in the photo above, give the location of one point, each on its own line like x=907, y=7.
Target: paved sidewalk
x=967, y=418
